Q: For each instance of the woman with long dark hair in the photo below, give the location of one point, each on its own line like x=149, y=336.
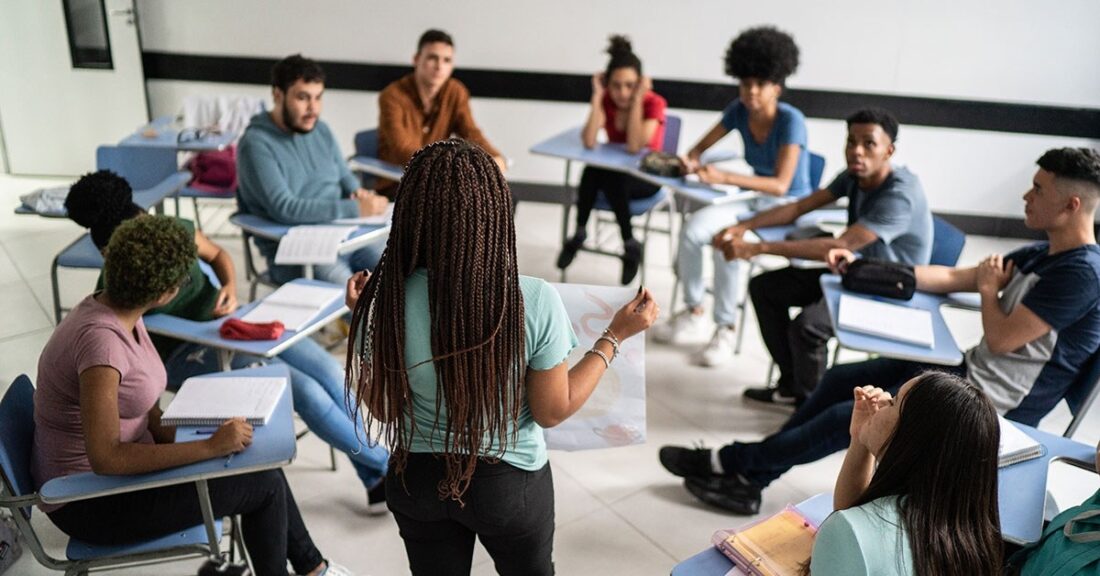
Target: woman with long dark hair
x=625, y=106
x=460, y=363
x=930, y=505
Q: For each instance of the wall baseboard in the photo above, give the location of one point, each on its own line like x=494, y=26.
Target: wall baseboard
x=557, y=87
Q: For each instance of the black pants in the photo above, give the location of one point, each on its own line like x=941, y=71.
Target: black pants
x=797, y=346
x=618, y=188
x=272, y=527
x=510, y=510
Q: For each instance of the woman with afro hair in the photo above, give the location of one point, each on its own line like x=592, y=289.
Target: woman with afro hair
x=774, y=138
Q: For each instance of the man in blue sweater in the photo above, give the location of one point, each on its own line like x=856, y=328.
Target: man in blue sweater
x=291, y=171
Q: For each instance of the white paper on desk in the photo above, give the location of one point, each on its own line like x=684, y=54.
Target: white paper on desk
x=890, y=321
x=311, y=244
x=294, y=304
x=614, y=414
x=1016, y=446
x=377, y=220
x=204, y=401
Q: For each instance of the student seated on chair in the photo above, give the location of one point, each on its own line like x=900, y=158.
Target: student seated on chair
x=95, y=409
x=773, y=134
x=888, y=219
x=426, y=106
x=901, y=505
x=1040, y=314
x=102, y=201
x=460, y=362
x=291, y=170
x=625, y=106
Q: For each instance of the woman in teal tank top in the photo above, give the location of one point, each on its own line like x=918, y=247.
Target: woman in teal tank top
x=460, y=362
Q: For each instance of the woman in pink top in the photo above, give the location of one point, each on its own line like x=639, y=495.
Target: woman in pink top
x=95, y=409
x=631, y=113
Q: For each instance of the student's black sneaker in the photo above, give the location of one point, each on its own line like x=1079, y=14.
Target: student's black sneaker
x=731, y=493
x=569, y=250
x=686, y=462
x=376, y=499
x=632, y=259
x=773, y=397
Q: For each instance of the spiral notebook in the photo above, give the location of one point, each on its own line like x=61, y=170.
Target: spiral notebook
x=209, y=401
x=1016, y=445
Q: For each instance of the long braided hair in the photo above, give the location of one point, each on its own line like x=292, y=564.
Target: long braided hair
x=453, y=217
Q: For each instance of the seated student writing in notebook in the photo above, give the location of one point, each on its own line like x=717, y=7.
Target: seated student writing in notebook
x=631, y=113
x=103, y=200
x=426, y=106
x=95, y=409
x=291, y=171
x=773, y=135
x=899, y=505
x=1041, y=319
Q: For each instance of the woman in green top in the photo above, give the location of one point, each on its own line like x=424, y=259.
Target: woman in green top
x=460, y=362
x=930, y=505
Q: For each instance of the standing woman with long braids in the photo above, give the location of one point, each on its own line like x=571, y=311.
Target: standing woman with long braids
x=631, y=113
x=930, y=505
x=460, y=363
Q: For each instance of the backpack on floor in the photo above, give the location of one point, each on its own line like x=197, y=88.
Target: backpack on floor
x=1070, y=544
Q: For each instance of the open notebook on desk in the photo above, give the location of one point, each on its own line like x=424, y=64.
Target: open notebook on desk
x=312, y=244
x=206, y=401
x=1016, y=446
x=885, y=320
x=294, y=304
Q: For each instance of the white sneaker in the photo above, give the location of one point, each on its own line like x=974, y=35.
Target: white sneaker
x=720, y=348
x=684, y=325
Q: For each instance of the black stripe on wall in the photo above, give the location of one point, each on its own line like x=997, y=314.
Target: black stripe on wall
x=547, y=86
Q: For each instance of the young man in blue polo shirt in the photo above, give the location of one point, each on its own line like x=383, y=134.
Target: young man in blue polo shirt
x=1040, y=309
x=888, y=219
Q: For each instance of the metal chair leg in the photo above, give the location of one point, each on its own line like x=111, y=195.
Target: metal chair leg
x=332, y=457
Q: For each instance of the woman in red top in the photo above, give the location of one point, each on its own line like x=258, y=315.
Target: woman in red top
x=624, y=105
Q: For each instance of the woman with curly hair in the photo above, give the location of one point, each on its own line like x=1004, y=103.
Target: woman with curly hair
x=95, y=409
x=774, y=138
x=903, y=508
x=625, y=106
x=103, y=200
x=461, y=362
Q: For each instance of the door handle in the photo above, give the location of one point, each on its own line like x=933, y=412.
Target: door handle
x=122, y=12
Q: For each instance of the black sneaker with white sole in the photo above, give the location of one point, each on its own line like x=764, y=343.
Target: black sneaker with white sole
x=773, y=397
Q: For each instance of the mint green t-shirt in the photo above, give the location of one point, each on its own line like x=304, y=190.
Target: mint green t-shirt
x=867, y=539
x=549, y=340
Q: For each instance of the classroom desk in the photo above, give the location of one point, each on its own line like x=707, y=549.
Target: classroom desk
x=148, y=198
x=567, y=145
x=163, y=133
x=711, y=562
x=268, y=230
x=206, y=333
x=376, y=167
x=945, y=353
x=1021, y=491
x=273, y=446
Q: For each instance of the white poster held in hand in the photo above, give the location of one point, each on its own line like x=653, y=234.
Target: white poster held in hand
x=615, y=413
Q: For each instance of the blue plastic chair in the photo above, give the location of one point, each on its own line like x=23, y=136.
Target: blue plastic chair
x=947, y=242
x=817, y=170
x=643, y=206
x=153, y=175
x=366, y=163
x=19, y=496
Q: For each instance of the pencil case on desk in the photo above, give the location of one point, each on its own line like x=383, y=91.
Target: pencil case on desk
x=237, y=329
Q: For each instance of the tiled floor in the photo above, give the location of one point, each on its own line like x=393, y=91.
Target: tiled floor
x=618, y=511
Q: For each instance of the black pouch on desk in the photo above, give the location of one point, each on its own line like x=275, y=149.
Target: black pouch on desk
x=880, y=278
x=807, y=233
x=662, y=164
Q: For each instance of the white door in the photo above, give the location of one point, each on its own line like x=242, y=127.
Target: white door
x=70, y=80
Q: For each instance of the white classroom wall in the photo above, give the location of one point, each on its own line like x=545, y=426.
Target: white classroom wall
x=1016, y=51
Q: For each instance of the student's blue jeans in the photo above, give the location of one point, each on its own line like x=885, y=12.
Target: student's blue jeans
x=820, y=426
x=317, y=385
